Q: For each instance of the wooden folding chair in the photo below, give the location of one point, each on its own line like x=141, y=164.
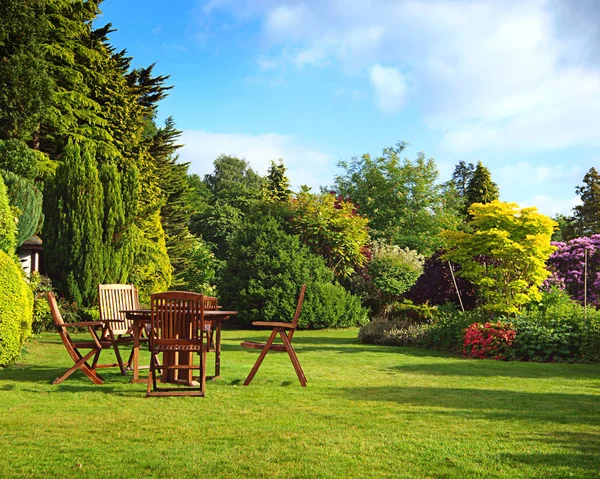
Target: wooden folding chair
x=286, y=332
x=113, y=299
x=177, y=330
x=96, y=345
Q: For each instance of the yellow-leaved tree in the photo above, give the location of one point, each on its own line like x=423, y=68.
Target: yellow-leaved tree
x=504, y=255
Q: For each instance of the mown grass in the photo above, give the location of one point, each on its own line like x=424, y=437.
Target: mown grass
x=368, y=411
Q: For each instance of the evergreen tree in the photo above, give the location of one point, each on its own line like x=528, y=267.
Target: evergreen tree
x=25, y=86
x=461, y=177
x=73, y=206
x=586, y=216
x=27, y=199
x=481, y=188
x=277, y=186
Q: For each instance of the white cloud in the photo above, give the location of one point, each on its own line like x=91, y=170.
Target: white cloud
x=551, y=206
x=305, y=165
x=503, y=74
x=390, y=88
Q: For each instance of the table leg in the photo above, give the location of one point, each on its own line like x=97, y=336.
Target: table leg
x=136, y=351
x=218, y=350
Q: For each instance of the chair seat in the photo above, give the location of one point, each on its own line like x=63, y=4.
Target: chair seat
x=255, y=345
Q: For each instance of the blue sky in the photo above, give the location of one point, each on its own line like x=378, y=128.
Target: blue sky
x=514, y=84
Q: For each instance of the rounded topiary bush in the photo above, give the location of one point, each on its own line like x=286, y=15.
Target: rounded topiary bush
x=16, y=309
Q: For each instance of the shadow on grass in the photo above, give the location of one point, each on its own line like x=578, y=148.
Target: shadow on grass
x=514, y=369
x=581, y=454
x=503, y=405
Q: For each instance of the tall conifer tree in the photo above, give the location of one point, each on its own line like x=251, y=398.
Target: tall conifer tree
x=481, y=188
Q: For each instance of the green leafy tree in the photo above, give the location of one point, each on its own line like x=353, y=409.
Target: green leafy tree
x=504, y=255
x=277, y=185
x=565, y=227
x=74, y=207
x=27, y=199
x=586, y=216
x=402, y=199
x=481, y=188
x=332, y=229
x=25, y=86
x=200, y=275
x=8, y=225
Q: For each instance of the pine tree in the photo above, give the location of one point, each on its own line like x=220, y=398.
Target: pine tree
x=481, y=188
x=74, y=210
x=277, y=186
x=586, y=216
x=461, y=177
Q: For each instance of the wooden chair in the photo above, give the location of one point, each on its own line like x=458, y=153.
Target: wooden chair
x=96, y=345
x=113, y=299
x=211, y=303
x=177, y=329
x=286, y=332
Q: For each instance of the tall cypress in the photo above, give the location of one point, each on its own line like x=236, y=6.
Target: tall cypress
x=73, y=206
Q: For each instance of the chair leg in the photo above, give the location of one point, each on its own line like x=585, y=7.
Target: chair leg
x=85, y=369
x=261, y=356
x=295, y=362
x=116, y=348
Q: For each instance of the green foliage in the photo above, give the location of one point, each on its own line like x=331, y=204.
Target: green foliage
x=42, y=316
x=447, y=331
x=16, y=309
x=27, y=199
x=481, y=188
x=25, y=86
x=200, y=275
x=396, y=332
x=504, y=255
x=265, y=270
x=556, y=329
x=233, y=182
x=152, y=271
x=276, y=186
x=394, y=270
x=17, y=157
x=402, y=199
x=330, y=229
x=8, y=225
x=74, y=210
x=586, y=216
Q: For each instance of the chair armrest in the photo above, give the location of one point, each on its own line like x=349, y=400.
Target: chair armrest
x=85, y=323
x=272, y=324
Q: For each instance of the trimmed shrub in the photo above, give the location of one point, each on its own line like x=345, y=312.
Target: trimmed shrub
x=8, y=226
x=16, y=309
x=447, y=332
x=392, y=333
x=265, y=270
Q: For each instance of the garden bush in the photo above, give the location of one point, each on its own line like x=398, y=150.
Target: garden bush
x=556, y=329
x=392, y=332
x=42, y=317
x=406, y=310
x=16, y=309
x=488, y=340
x=263, y=274
x=8, y=225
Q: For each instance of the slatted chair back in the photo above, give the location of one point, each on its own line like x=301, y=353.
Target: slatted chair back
x=60, y=325
x=113, y=300
x=176, y=327
x=176, y=316
x=297, y=313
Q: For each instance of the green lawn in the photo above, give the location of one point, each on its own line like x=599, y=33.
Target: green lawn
x=368, y=411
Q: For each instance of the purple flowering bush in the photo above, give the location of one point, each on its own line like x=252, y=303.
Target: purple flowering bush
x=566, y=267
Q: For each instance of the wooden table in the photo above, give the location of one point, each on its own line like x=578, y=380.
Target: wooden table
x=140, y=317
